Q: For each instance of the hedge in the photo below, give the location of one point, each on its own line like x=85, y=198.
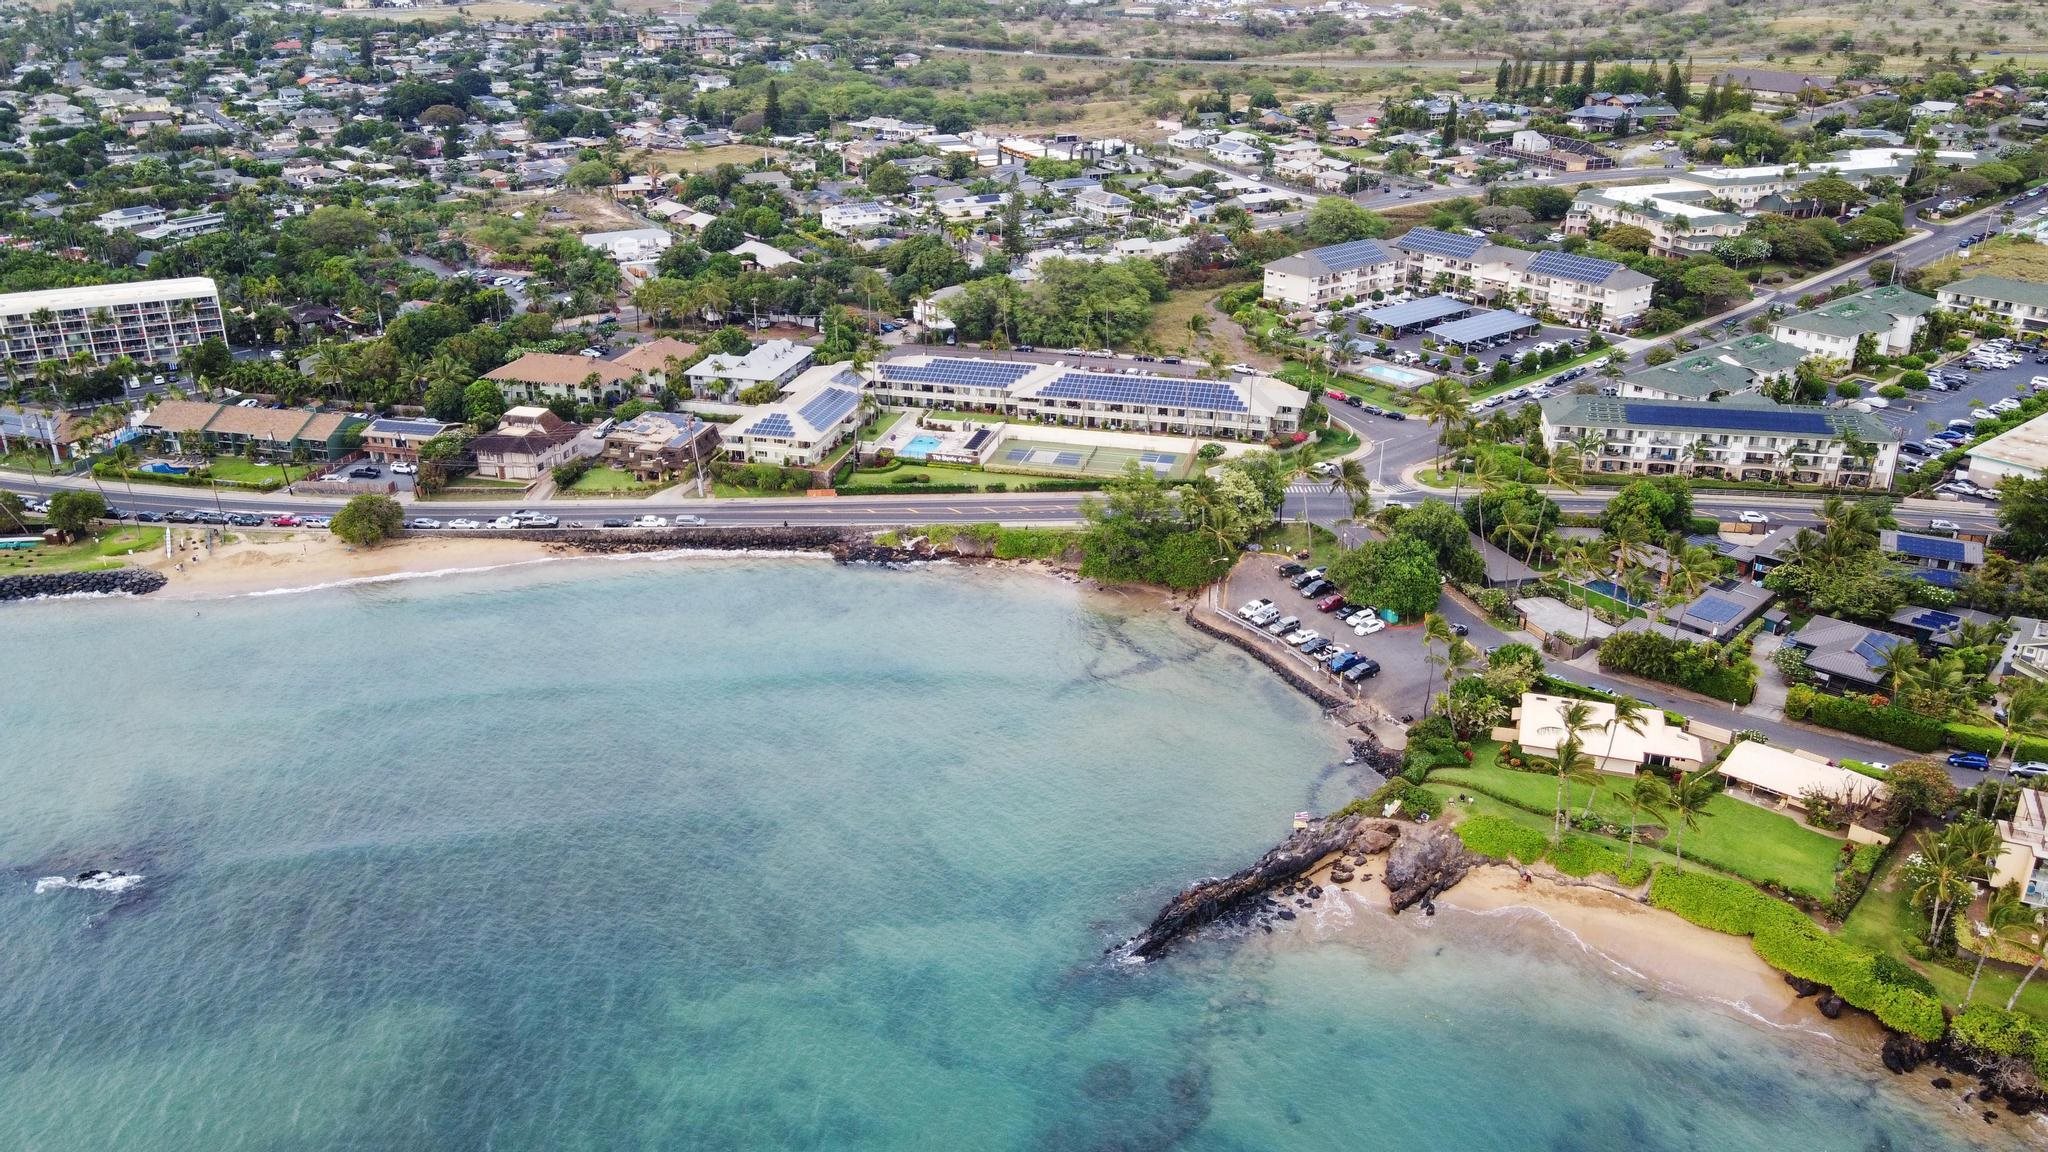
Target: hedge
x=1034, y=543
x=1888, y=723
x=1791, y=943
x=1503, y=839
x=1655, y=656
x=1992, y=1031
x=1415, y=801
x=1971, y=738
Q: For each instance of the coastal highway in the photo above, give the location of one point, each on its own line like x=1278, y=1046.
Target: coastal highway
x=1314, y=501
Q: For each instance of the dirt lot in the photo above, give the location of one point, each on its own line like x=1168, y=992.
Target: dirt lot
x=702, y=159
x=1169, y=329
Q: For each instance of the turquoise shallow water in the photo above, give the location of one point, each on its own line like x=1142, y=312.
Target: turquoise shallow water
x=758, y=855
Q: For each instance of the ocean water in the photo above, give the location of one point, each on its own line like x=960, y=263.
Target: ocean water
x=760, y=855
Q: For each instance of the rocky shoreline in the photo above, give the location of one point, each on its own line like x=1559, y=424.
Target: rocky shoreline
x=111, y=582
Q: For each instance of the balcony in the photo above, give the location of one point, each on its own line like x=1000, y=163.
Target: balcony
x=2036, y=893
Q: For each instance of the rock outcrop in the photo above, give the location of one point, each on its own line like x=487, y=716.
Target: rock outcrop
x=114, y=581
x=1423, y=865
x=1211, y=900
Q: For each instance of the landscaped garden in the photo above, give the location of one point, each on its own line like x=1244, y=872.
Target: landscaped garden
x=604, y=481
x=89, y=555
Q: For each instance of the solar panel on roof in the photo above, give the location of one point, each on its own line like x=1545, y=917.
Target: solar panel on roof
x=1940, y=577
x=1152, y=391
x=1439, y=243
x=828, y=407
x=1714, y=610
x=1931, y=547
x=773, y=424
x=1417, y=311
x=1566, y=266
x=1872, y=648
x=1936, y=621
x=1484, y=326
x=1356, y=254
x=1719, y=417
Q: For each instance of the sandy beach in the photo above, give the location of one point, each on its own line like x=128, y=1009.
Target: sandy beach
x=263, y=561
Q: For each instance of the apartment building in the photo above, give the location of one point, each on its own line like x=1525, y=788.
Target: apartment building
x=538, y=376
x=1675, y=213
x=1577, y=289
x=1732, y=368
x=151, y=321
x=1890, y=314
x=820, y=410
x=2020, y=303
x=1322, y=277
x=724, y=375
x=1085, y=396
x=1742, y=438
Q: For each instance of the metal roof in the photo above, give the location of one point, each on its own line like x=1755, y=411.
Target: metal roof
x=1417, y=311
x=1484, y=326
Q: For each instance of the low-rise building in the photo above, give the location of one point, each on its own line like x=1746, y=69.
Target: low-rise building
x=1740, y=438
x=1891, y=315
x=820, y=410
x=724, y=375
x=1789, y=778
x=1246, y=408
x=1844, y=656
x=1321, y=277
x=2020, y=303
x=654, y=446
x=2023, y=859
x=527, y=443
x=1732, y=368
x=1614, y=748
x=1938, y=560
x=198, y=427
x=658, y=360
x=2026, y=650
x=860, y=216
x=2021, y=452
x=631, y=245
x=392, y=438
x=548, y=375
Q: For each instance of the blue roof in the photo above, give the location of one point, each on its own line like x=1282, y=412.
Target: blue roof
x=1716, y=417
x=407, y=427
x=1936, y=621
x=773, y=424
x=1931, y=547
x=1484, y=326
x=1714, y=610
x=1343, y=257
x=959, y=370
x=1417, y=311
x=1579, y=269
x=828, y=408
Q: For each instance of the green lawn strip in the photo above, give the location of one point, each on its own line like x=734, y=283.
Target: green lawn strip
x=610, y=482
x=485, y=482
x=932, y=473
x=103, y=551
x=881, y=425
x=1491, y=389
x=1480, y=804
x=240, y=470
x=1284, y=540
x=1733, y=836
x=1301, y=376
x=978, y=417
x=1884, y=920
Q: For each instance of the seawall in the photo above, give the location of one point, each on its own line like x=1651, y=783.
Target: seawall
x=114, y=581
x=615, y=540
x=1271, y=659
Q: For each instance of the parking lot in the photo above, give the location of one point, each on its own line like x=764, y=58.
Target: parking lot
x=1398, y=687
x=386, y=480
x=1921, y=414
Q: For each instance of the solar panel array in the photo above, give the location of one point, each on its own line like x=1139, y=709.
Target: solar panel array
x=828, y=407
x=1152, y=391
x=1439, y=243
x=1727, y=417
x=1931, y=547
x=773, y=424
x=1579, y=269
x=1356, y=254
x=1714, y=610
x=959, y=371
x=1873, y=647
x=408, y=427
x=1484, y=326
x=1936, y=621
x=1941, y=577
x=1417, y=311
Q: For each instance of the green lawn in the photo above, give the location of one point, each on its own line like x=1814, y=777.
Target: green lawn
x=933, y=474
x=1479, y=804
x=241, y=470
x=103, y=551
x=1733, y=836
x=1293, y=536
x=1301, y=376
x=1489, y=388
x=881, y=425
x=1884, y=919
x=475, y=481
x=979, y=417
x=609, y=482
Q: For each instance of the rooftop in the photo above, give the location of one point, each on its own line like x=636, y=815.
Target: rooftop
x=556, y=369
x=1739, y=416
x=107, y=295
x=1786, y=773
x=2001, y=288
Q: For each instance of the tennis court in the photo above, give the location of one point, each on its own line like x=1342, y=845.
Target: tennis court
x=1019, y=455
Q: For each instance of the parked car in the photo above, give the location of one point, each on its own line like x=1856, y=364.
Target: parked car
x=693, y=521
x=366, y=472
x=1752, y=516
x=316, y=521
x=651, y=521
x=1314, y=645
x=1291, y=569
x=1296, y=635
x=1364, y=667
x=1983, y=414
x=1252, y=607
x=405, y=467
x=245, y=520
x=1976, y=760
x=1343, y=660
x=427, y=522
x=1329, y=604
x=614, y=522
x=504, y=523
x=286, y=520
x=1314, y=588
x=1370, y=625
x=1304, y=579
x=147, y=517
x=1460, y=630
x=1943, y=526
x=463, y=523
x=2006, y=405
x=1283, y=625
x=2031, y=769
x=1266, y=615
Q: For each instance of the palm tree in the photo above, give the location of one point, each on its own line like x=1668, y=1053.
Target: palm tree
x=1444, y=403
x=2024, y=712
x=1648, y=795
x=1629, y=713
x=1435, y=630
x=1576, y=564
x=1945, y=871
x=2003, y=913
x=1900, y=666
x=1198, y=326
x=1689, y=799
x=1574, y=718
x=2027, y=935
x=1353, y=482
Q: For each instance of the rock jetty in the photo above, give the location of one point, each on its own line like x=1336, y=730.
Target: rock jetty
x=112, y=582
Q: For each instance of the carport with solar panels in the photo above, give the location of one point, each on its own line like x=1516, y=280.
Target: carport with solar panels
x=1489, y=325
x=1402, y=318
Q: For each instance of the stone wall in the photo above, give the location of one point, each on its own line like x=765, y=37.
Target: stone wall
x=129, y=581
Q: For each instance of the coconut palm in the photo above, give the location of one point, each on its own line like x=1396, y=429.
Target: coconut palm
x=1574, y=718
x=2004, y=913
x=1353, y=482
x=1945, y=879
x=1648, y=795
x=1629, y=713
x=2028, y=935
x=2024, y=712
x=1900, y=667
x=1689, y=799
x=1444, y=403
x=1435, y=630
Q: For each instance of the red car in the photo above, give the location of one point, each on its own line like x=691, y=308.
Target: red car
x=285, y=521
x=1329, y=603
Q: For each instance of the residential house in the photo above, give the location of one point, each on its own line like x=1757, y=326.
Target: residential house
x=1102, y=205
x=2023, y=859
x=2026, y=650
x=654, y=446
x=527, y=442
x=547, y=375
x=651, y=361
x=859, y=216
x=1843, y=656
x=1787, y=778
x=631, y=245
x=392, y=438
x=1613, y=748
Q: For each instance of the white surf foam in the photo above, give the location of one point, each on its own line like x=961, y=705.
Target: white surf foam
x=95, y=882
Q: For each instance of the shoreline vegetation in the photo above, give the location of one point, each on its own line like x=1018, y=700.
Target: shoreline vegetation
x=1622, y=923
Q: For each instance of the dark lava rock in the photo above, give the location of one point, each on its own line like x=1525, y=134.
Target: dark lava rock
x=1943, y=1083
x=1286, y=913
x=1903, y=1053
x=1315, y=892
x=1376, y=838
x=1831, y=1006
x=1424, y=864
x=1802, y=986
x=114, y=581
x=1202, y=903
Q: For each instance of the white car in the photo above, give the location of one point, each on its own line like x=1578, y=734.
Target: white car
x=1251, y=609
x=2006, y=405
x=2039, y=381
x=693, y=521
x=1298, y=636
x=405, y=468
x=1943, y=526
x=1308, y=636
x=1357, y=618
x=464, y=524
x=504, y=523
x=1983, y=414
x=651, y=521
x=1368, y=626
x=423, y=522
x=1752, y=516
x=1245, y=369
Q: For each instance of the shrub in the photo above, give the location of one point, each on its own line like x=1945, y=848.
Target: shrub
x=1416, y=802
x=1502, y=839
x=1701, y=668
x=1583, y=856
x=1992, y=1031
x=1718, y=902
x=1971, y=738
x=1034, y=543
x=369, y=520
x=570, y=471
x=1896, y=972
x=1887, y=723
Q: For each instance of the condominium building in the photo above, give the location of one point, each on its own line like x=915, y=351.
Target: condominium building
x=1675, y=213
x=1732, y=368
x=1891, y=315
x=1083, y=395
x=1742, y=438
x=1577, y=289
x=152, y=321
x=819, y=411
x=2020, y=303
x=538, y=376
x=724, y=375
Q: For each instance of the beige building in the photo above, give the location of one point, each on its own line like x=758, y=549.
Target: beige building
x=1614, y=748
x=2020, y=303
x=1782, y=776
x=1890, y=315
x=651, y=362
x=1743, y=437
x=547, y=375
x=816, y=414
x=2024, y=860
x=526, y=443
x=1085, y=396
x=152, y=321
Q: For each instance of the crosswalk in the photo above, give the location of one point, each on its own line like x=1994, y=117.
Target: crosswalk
x=1304, y=488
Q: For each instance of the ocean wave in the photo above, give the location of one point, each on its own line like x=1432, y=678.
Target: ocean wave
x=91, y=882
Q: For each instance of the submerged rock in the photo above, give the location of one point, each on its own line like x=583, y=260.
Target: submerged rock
x=1424, y=864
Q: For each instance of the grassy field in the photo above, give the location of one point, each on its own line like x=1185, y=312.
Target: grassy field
x=1732, y=836
x=882, y=423
x=1372, y=391
x=700, y=159
x=1995, y=258
x=1884, y=919
x=102, y=551
x=1290, y=538
x=1169, y=330
x=241, y=470
x=609, y=482
x=932, y=473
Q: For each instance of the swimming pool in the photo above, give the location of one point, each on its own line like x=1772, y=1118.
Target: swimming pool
x=1388, y=374
x=1610, y=589
x=919, y=447
x=159, y=468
